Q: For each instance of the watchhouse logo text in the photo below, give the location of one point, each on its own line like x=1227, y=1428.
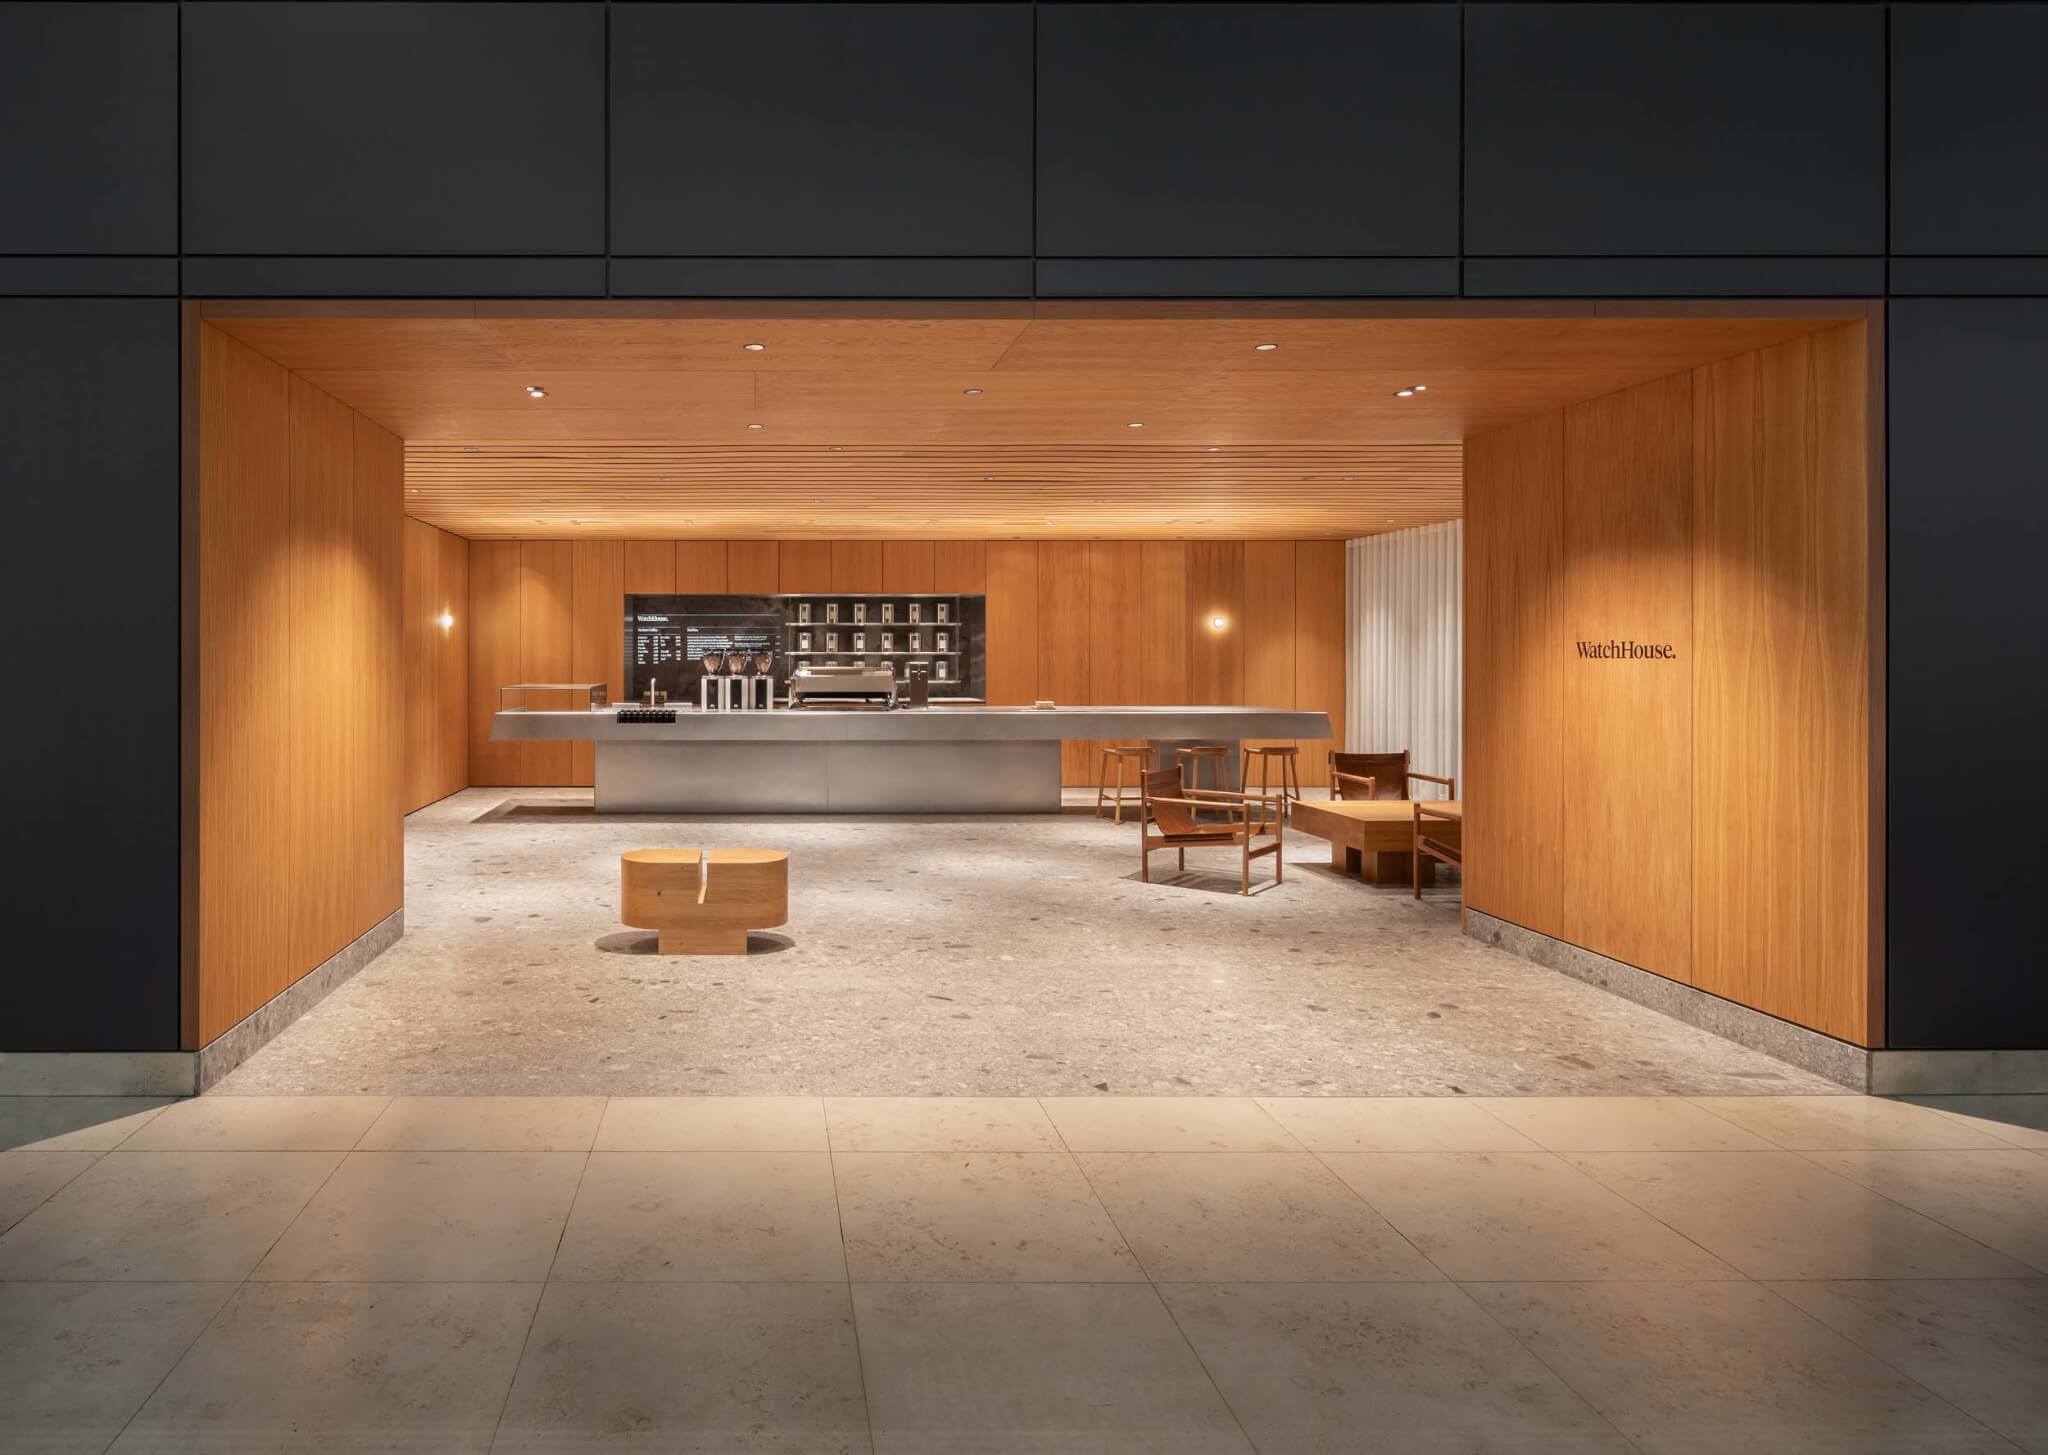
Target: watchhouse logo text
x=1614, y=651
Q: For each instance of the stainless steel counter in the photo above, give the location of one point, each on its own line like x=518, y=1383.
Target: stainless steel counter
x=931, y=760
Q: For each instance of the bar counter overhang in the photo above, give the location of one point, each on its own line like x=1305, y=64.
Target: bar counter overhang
x=907, y=760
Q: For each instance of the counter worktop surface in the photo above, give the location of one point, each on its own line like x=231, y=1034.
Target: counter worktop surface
x=916, y=725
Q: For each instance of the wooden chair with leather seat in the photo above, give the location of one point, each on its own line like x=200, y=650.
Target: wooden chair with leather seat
x=1171, y=808
x=1379, y=775
x=1438, y=836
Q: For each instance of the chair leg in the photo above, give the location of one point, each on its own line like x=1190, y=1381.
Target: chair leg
x=1244, y=873
x=1279, y=857
x=1144, y=857
x=1102, y=781
x=1183, y=859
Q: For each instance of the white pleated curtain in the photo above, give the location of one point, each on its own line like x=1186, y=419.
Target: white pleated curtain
x=1404, y=647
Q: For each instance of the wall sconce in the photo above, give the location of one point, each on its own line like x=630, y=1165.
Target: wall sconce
x=1217, y=623
x=445, y=620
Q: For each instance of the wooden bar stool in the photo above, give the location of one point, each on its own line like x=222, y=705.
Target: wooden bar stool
x=1265, y=755
x=1142, y=756
x=1190, y=760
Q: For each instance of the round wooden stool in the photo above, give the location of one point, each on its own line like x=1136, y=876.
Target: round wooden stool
x=703, y=901
x=1190, y=760
x=1142, y=756
x=1265, y=755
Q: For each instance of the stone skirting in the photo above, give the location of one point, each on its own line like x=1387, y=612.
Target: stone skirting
x=188, y=1073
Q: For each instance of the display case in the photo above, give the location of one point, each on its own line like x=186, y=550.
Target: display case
x=554, y=697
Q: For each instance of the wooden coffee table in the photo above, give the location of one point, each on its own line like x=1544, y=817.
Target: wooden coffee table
x=1374, y=838
x=703, y=901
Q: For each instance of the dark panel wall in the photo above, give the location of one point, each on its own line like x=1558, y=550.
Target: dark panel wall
x=88, y=128
x=435, y=128
x=1674, y=129
x=1969, y=129
x=89, y=433
x=824, y=130
x=1969, y=671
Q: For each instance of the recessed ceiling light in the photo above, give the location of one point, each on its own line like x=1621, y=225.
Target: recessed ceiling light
x=753, y=426
x=414, y=490
x=469, y=449
x=1265, y=348
x=1421, y=388
x=534, y=391
x=1404, y=393
x=970, y=391
x=753, y=348
x=988, y=477
x=1214, y=448
x=1135, y=424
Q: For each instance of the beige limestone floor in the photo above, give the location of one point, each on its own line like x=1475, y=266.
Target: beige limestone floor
x=1140, y=1274
x=964, y=956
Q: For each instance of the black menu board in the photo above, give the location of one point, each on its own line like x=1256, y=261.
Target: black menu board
x=667, y=637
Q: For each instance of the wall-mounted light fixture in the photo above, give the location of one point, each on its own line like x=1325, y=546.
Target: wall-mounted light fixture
x=1217, y=623
x=445, y=620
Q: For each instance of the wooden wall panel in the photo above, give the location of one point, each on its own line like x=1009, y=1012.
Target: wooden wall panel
x=243, y=899
x=1781, y=678
x=908, y=566
x=701, y=567
x=420, y=634
x=806, y=566
x=649, y=568
x=324, y=682
x=1627, y=859
x=1012, y=622
x=1319, y=649
x=960, y=566
x=493, y=658
x=1115, y=648
x=1164, y=624
x=753, y=567
x=1064, y=630
x=1515, y=661
x=452, y=676
x=1216, y=589
x=546, y=609
x=380, y=752
x=856, y=565
x=597, y=653
x=1269, y=627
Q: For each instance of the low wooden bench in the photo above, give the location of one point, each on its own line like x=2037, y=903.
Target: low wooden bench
x=1374, y=838
x=703, y=901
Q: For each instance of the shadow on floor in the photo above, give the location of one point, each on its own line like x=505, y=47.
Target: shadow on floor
x=646, y=942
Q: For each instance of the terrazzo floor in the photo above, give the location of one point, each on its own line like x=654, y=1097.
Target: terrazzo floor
x=961, y=956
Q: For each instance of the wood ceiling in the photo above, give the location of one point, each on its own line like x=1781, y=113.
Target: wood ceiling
x=867, y=427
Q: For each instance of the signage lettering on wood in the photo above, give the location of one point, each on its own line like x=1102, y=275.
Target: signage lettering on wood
x=1626, y=650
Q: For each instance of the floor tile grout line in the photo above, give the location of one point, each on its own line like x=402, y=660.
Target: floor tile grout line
x=860, y=1361
x=540, y=1296
x=1392, y=1227
x=1914, y=1211
x=1555, y=1372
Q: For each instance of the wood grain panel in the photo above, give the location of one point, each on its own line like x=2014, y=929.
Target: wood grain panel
x=1115, y=645
x=856, y=565
x=546, y=610
x=754, y=567
x=494, y=658
x=960, y=566
x=422, y=648
x=702, y=568
x=649, y=568
x=806, y=566
x=1782, y=683
x=380, y=750
x=1627, y=859
x=1216, y=590
x=908, y=566
x=597, y=651
x=1064, y=630
x=1012, y=622
x=1515, y=661
x=1319, y=624
x=1269, y=626
x=452, y=677
x=245, y=723
x=1164, y=624
x=324, y=683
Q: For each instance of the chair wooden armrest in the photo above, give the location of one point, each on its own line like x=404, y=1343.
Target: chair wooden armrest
x=1337, y=780
x=1426, y=847
x=1450, y=784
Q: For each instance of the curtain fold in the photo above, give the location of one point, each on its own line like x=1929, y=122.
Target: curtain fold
x=1404, y=647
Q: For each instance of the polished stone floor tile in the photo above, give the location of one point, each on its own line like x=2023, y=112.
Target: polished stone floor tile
x=431, y=1216
x=77, y=1359
x=1998, y=1198
x=704, y=1216
x=1777, y=1215
x=1393, y=1124
x=259, y=1124
x=1229, y=1217
x=390, y=1367
x=73, y=1123
x=1840, y=1123
x=1981, y=1343
x=195, y=1217
x=1518, y=1215
x=2020, y=1120
x=978, y=1216
x=940, y=1124
x=689, y=1367
x=1034, y=1369
x=712, y=1124
x=1380, y=1369
x=1622, y=1124
x=485, y=1124
x=29, y=1179
x=1712, y=1368
x=1166, y=1124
